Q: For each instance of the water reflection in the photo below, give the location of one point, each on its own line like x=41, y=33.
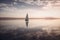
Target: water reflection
x=31, y=24
x=27, y=23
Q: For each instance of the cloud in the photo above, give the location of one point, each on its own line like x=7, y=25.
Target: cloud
x=6, y=5
x=25, y=3
x=22, y=4
x=29, y=2
x=40, y=2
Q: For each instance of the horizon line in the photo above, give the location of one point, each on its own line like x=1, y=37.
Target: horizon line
x=32, y=17
x=13, y=18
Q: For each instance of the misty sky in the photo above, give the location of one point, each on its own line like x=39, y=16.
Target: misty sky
x=35, y=8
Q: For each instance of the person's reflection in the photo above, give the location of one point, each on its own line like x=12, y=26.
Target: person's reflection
x=27, y=23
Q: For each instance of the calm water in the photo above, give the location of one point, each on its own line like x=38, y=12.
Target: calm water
x=37, y=29
x=33, y=24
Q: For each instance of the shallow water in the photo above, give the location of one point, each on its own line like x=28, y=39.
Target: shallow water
x=33, y=24
x=38, y=29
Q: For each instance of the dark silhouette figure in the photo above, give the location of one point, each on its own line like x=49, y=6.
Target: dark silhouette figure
x=27, y=20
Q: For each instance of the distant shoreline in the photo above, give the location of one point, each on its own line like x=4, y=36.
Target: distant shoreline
x=29, y=18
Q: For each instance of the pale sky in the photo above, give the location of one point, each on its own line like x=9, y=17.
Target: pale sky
x=35, y=9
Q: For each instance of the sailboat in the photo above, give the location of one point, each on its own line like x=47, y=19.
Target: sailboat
x=27, y=20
